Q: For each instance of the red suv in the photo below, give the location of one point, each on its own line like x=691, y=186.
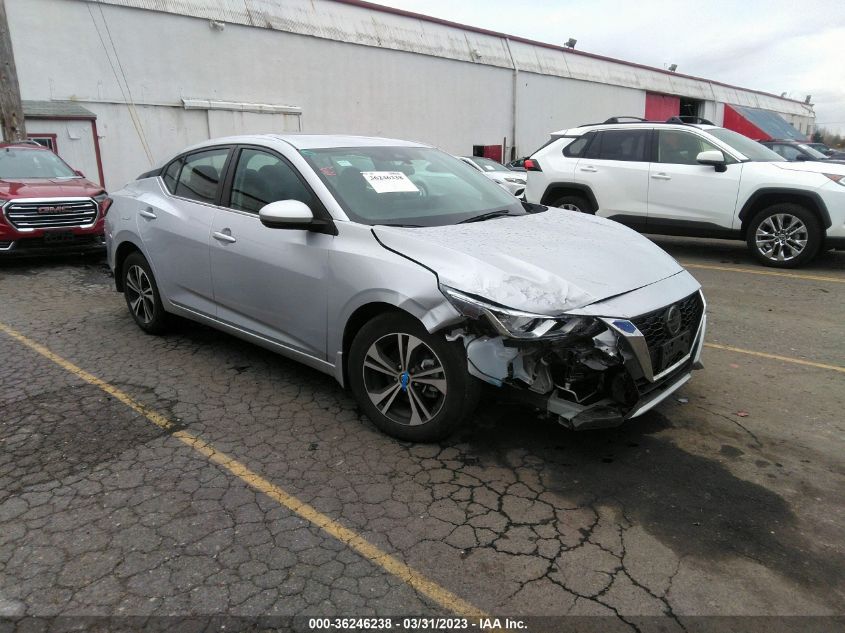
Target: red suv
x=47, y=207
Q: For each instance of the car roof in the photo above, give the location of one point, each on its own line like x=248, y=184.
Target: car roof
x=583, y=129
x=308, y=141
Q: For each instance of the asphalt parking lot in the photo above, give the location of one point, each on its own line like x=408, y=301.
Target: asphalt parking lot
x=195, y=474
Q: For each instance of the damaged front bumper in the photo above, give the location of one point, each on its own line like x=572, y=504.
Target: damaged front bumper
x=596, y=376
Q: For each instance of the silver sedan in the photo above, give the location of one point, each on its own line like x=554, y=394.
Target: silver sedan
x=409, y=277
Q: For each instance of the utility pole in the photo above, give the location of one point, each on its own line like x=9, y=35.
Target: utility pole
x=11, y=109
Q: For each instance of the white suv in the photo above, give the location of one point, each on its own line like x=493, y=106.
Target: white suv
x=699, y=180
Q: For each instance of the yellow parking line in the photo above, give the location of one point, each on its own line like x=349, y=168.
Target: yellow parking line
x=350, y=538
x=771, y=273
x=786, y=359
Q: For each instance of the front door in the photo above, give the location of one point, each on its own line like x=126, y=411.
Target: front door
x=683, y=194
x=270, y=282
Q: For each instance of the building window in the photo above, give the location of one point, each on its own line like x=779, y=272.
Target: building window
x=45, y=140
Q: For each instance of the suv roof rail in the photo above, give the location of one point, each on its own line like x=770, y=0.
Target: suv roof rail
x=689, y=120
x=674, y=120
x=633, y=119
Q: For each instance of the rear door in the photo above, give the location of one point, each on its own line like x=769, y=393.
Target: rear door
x=176, y=225
x=270, y=282
x=615, y=167
x=683, y=194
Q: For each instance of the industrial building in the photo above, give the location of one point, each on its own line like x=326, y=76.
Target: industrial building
x=116, y=86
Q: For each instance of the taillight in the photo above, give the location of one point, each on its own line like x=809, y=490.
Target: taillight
x=531, y=165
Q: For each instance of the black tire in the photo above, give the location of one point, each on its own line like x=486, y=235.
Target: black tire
x=149, y=313
x=579, y=204
x=782, y=229
x=441, y=413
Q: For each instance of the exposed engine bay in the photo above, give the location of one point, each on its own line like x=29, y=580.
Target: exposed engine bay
x=585, y=371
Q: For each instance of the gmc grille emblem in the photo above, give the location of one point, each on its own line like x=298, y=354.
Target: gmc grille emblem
x=56, y=209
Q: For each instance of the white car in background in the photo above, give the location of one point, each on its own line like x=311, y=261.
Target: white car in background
x=511, y=181
x=697, y=180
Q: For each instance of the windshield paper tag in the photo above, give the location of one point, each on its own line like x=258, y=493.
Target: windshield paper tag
x=389, y=181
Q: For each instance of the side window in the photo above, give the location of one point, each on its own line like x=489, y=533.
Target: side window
x=200, y=175
x=681, y=148
x=788, y=152
x=624, y=145
x=576, y=148
x=262, y=178
x=171, y=175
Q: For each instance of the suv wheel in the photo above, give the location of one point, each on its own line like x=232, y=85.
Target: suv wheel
x=573, y=203
x=784, y=235
x=141, y=294
x=413, y=385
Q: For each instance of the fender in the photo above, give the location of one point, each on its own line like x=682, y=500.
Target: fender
x=584, y=189
x=821, y=208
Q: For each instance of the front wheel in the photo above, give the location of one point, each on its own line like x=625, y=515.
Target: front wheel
x=413, y=385
x=784, y=236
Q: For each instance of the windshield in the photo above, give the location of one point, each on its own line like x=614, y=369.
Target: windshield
x=16, y=162
x=745, y=146
x=814, y=153
x=416, y=186
x=488, y=164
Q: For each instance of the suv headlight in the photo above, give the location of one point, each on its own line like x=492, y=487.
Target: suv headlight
x=516, y=181
x=837, y=178
x=522, y=325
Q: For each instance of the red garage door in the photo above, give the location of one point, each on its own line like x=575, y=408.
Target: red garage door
x=660, y=107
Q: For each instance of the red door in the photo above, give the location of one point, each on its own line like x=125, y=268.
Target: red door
x=660, y=107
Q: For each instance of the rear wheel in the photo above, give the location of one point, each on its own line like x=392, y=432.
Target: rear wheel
x=141, y=294
x=578, y=204
x=413, y=385
x=784, y=235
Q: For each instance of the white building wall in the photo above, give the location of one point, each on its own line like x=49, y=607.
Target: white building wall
x=338, y=67
x=74, y=140
x=548, y=103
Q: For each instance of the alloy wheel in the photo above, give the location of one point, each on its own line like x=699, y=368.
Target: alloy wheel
x=781, y=237
x=404, y=379
x=139, y=292
x=570, y=207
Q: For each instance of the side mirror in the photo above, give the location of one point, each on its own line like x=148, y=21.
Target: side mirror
x=712, y=157
x=293, y=214
x=801, y=157
x=79, y=173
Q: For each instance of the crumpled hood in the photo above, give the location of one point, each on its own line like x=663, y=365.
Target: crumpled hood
x=546, y=263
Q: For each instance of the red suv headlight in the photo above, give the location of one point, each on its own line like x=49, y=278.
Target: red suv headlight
x=103, y=202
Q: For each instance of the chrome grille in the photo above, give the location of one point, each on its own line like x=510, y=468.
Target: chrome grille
x=45, y=214
x=654, y=331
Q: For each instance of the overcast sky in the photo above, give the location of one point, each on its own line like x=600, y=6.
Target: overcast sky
x=791, y=46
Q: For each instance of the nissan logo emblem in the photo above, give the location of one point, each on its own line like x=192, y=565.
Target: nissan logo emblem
x=672, y=320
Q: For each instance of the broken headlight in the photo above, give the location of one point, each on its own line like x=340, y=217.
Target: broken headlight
x=522, y=325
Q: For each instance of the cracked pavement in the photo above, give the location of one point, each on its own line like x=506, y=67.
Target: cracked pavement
x=688, y=511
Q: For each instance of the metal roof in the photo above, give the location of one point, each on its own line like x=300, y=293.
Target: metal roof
x=771, y=123
x=369, y=24
x=55, y=110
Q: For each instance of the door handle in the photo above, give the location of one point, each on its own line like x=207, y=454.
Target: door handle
x=224, y=237
x=589, y=168
x=147, y=213
x=661, y=177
